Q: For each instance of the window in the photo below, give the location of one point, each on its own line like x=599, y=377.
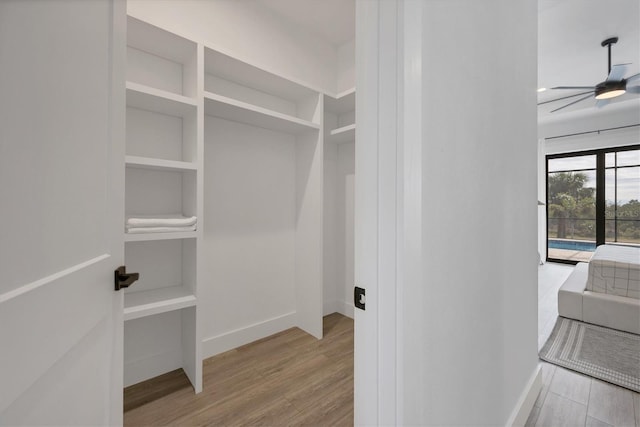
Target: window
x=592, y=198
x=571, y=207
x=622, y=197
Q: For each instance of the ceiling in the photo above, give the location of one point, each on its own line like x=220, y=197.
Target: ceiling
x=569, y=50
x=331, y=20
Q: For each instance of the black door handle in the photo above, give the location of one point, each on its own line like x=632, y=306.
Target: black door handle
x=122, y=279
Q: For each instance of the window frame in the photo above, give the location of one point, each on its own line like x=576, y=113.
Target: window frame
x=600, y=190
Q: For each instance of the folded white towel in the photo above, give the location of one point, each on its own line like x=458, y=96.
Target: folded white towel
x=141, y=230
x=175, y=220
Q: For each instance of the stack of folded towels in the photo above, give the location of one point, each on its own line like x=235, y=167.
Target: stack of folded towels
x=160, y=223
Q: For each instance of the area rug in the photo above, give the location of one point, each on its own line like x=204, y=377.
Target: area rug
x=599, y=352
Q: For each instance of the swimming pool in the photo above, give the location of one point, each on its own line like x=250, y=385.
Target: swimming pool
x=574, y=245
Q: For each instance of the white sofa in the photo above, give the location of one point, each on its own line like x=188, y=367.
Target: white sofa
x=606, y=290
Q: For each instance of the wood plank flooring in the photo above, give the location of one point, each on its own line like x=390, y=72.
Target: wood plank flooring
x=568, y=398
x=287, y=379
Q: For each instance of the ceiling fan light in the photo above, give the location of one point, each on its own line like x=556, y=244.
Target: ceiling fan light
x=610, y=94
x=610, y=89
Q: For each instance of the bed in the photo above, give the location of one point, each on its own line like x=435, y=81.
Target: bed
x=606, y=290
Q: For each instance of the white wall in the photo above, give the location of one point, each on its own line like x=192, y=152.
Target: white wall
x=346, y=66
x=152, y=346
x=331, y=257
x=611, y=116
x=339, y=169
x=249, y=222
x=250, y=32
x=345, y=208
x=469, y=318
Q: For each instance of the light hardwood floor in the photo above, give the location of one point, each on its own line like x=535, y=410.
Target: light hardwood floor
x=287, y=379
x=293, y=379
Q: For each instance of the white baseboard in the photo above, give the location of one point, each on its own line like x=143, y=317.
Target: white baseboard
x=241, y=336
x=341, y=307
x=329, y=307
x=527, y=399
x=149, y=367
x=345, y=308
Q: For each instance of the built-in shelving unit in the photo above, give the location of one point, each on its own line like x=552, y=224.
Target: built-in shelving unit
x=340, y=117
x=162, y=177
x=266, y=200
x=181, y=93
x=160, y=59
x=237, y=91
x=160, y=124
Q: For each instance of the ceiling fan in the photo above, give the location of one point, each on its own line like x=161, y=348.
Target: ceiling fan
x=615, y=84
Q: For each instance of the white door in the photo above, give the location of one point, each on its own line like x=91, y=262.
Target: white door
x=61, y=206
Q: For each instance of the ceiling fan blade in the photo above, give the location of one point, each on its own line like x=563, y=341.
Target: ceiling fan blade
x=564, y=97
x=571, y=103
x=602, y=102
x=617, y=72
x=633, y=89
x=574, y=87
x=633, y=78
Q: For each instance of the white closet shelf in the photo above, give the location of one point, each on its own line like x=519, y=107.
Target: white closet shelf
x=346, y=93
x=156, y=41
x=146, y=237
x=238, y=111
x=159, y=164
x=234, y=70
x=343, y=134
x=156, y=301
x=159, y=101
x=343, y=103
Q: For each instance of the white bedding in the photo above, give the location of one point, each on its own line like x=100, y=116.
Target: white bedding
x=615, y=270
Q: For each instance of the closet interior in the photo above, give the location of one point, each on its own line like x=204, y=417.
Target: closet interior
x=243, y=180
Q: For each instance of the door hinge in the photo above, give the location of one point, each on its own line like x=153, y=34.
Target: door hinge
x=359, y=298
